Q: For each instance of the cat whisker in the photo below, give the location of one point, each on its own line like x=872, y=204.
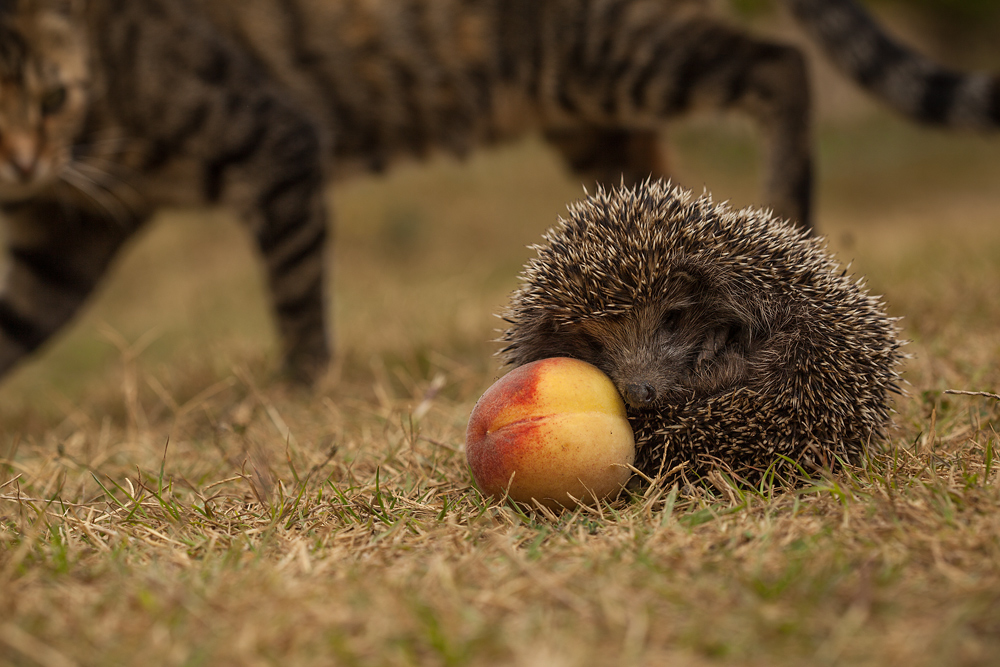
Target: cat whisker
x=108, y=150
x=96, y=141
x=116, y=209
x=107, y=179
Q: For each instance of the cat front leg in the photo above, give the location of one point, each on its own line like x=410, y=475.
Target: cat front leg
x=289, y=223
x=56, y=254
x=241, y=140
x=274, y=177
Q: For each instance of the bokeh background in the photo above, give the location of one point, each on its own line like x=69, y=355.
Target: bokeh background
x=424, y=256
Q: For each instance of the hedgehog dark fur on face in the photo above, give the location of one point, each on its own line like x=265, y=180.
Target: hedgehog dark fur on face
x=730, y=334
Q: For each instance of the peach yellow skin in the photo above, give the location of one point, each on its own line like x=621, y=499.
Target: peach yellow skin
x=559, y=427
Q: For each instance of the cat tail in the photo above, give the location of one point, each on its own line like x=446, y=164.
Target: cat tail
x=905, y=80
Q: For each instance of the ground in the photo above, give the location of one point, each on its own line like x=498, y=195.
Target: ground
x=164, y=500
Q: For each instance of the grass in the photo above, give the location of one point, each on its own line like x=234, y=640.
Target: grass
x=163, y=501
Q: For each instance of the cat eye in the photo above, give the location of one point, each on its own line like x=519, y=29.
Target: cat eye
x=53, y=101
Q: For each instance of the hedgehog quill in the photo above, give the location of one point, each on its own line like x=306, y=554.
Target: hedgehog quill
x=733, y=336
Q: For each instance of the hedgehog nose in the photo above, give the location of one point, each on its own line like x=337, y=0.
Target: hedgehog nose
x=639, y=395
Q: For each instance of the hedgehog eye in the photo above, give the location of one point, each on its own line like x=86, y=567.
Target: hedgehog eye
x=594, y=346
x=53, y=100
x=671, y=319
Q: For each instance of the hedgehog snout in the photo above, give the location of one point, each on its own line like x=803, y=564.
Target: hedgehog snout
x=645, y=373
x=639, y=395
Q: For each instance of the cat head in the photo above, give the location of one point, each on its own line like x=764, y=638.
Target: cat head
x=44, y=91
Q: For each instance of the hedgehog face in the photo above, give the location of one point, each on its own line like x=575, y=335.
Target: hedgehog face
x=686, y=342
x=656, y=354
x=667, y=353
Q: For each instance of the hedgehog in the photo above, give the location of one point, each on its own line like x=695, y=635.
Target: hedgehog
x=734, y=337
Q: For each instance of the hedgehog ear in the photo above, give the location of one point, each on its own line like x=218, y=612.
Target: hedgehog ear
x=685, y=276
x=689, y=272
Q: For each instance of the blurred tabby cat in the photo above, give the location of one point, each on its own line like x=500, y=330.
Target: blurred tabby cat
x=110, y=109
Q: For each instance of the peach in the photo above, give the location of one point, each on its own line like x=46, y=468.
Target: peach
x=549, y=430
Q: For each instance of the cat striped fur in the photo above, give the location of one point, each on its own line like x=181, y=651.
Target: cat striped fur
x=113, y=109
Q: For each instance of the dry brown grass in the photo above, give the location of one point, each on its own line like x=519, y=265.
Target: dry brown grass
x=164, y=502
